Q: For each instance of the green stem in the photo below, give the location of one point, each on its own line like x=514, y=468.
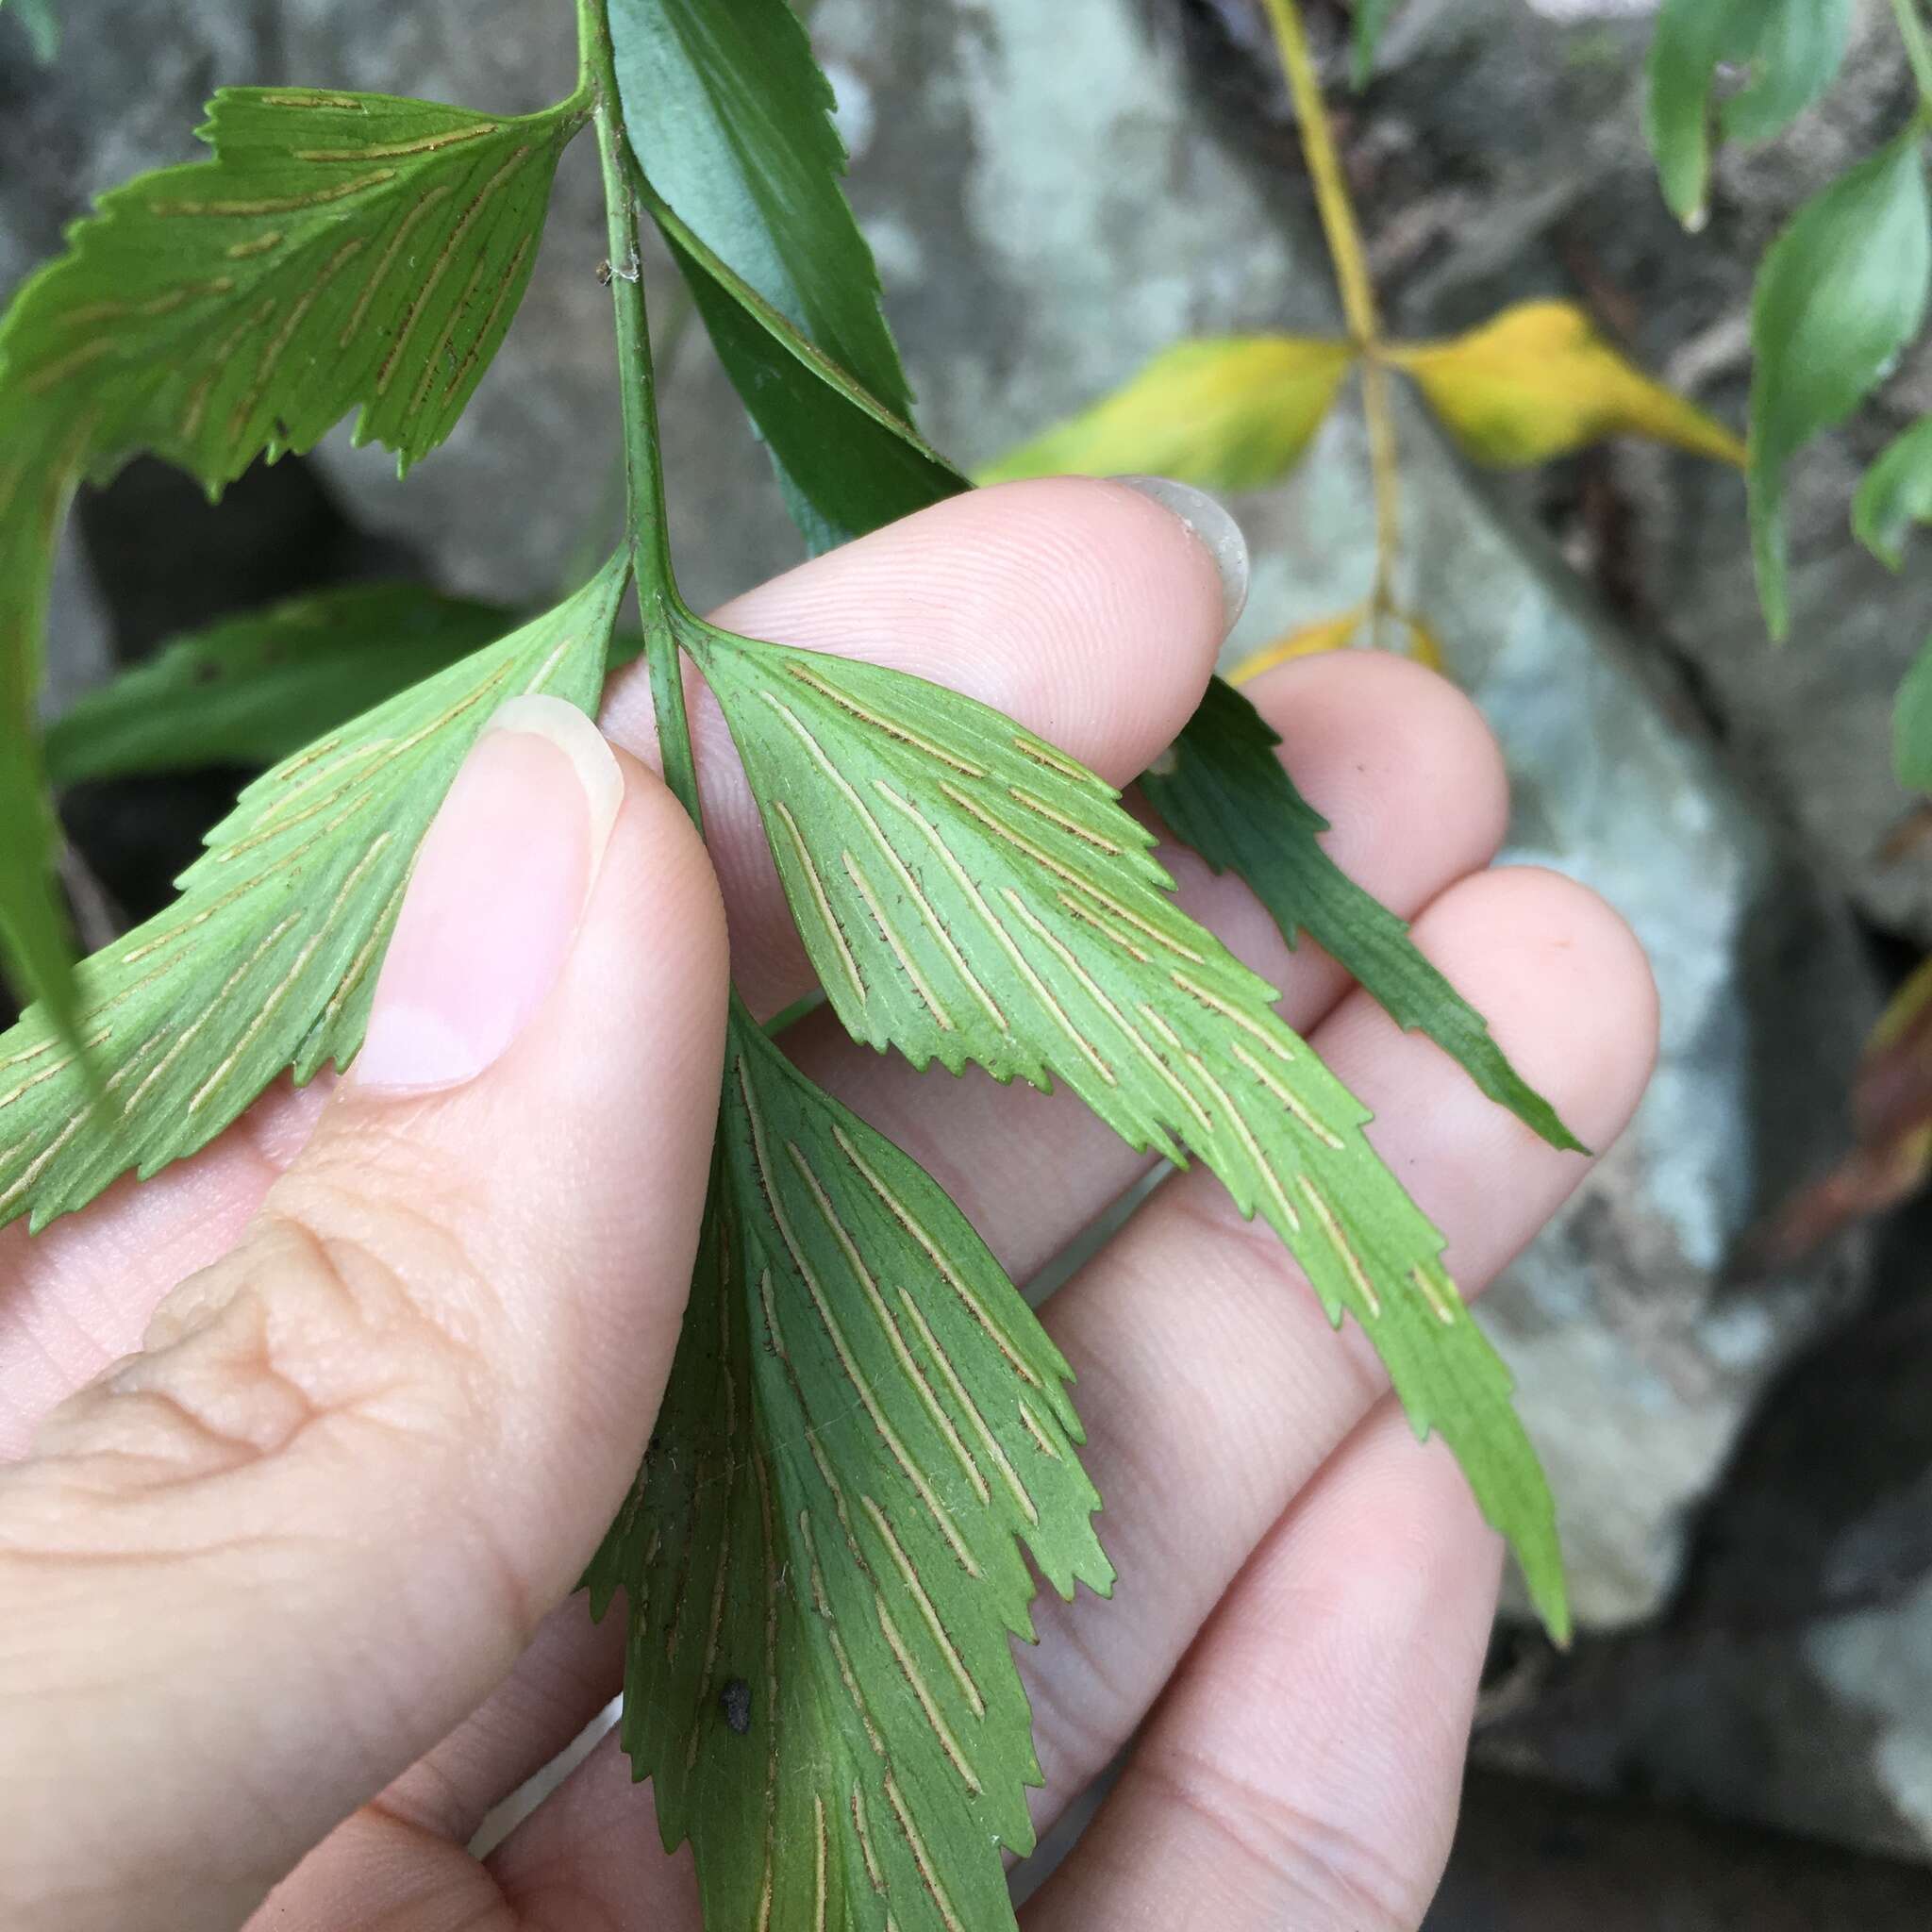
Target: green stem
x=1385, y=470
x=1912, y=31
x=674, y=724
x=1332, y=201
x=647, y=527
x=1343, y=234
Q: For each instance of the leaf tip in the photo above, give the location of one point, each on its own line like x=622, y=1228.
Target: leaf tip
x=1556, y=1619
x=1556, y=1133
x=1539, y=1556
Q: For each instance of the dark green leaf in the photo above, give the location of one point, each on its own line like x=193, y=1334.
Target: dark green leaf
x=340, y=248
x=1222, y=789
x=849, y=464
x=1789, y=49
x=822, y=1553
x=1691, y=40
x=1897, y=493
x=969, y=894
x=1841, y=292
x=251, y=689
x=1912, y=724
x=730, y=117
x=1793, y=55
x=268, y=959
x=1372, y=18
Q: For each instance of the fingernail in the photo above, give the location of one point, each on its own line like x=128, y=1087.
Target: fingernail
x=1213, y=528
x=493, y=905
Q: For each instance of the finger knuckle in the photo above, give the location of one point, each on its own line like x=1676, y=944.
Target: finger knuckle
x=1082, y=1705
x=1308, y=1868
x=306, y=1325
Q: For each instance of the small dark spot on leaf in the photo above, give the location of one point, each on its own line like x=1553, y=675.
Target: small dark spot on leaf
x=734, y=1701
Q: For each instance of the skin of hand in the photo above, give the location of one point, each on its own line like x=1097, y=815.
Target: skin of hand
x=303, y=1444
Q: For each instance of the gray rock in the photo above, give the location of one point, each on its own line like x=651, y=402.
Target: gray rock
x=1820, y=1729
x=1875, y=1667
x=1789, y=1686
x=78, y=656
x=1530, y=1858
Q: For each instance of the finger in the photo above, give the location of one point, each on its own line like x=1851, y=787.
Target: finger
x=1081, y=607
x=1304, y=1766
x=591, y=1855
x=1365, y=735
x=76, y=1296
x=260, y=1567
x=410, y=1848
x=1211, y=1383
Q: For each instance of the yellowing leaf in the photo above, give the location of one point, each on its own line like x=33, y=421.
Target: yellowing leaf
x=1334, y=634
x=1308, y=640
x=1231, y=413
x=1537, y=381
x=1424, y=644
x=1892, y=1121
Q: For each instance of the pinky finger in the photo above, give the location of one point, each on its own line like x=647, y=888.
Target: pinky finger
x=1302, y=1767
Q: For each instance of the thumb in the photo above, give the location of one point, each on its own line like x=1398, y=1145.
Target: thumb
x=255, y=1571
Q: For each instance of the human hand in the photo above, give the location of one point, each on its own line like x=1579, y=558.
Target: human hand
x=284, y=1594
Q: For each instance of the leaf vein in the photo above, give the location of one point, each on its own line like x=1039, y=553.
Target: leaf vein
x=828, y=918
x=276, y=204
